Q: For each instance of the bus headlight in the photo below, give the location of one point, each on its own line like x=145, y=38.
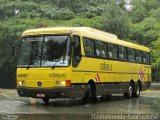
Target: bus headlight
x=63, y=83
x=20, y=83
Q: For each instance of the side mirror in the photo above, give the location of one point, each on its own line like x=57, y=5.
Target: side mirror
x=13, y=50
x=73, y=43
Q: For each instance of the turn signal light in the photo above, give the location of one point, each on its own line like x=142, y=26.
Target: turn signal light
x=68, y=83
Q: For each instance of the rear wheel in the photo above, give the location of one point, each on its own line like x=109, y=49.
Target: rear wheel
x=136, y=93
x=129, y=93
x=46, y=100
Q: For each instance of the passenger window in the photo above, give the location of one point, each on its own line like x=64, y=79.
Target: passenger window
x=131, y=54
x=146, y=57
x=112, y=51
x=76, y=51
x=88, y=47
x=100, y=49
x=104, y=50
x=138, y=56
x=122, y=53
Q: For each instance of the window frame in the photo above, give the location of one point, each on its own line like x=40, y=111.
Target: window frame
x=126, y=53
x=83, y=40
x=147, y=53
x=140, y=56
x=102, y=43
x=127, y=49
x=116, y=46
x=76, y=64
x=133, y=56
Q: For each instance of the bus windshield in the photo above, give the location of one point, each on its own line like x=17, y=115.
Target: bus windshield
x=45, y=51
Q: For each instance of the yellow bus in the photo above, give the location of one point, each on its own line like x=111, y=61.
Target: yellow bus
x=80, y=62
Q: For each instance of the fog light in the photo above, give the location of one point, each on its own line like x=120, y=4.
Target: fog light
x=57, y=83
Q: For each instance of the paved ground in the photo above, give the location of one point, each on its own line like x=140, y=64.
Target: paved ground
x=147, y=107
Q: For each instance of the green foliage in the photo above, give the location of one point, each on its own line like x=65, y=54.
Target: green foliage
x=138, y=12
x=30, y=9
x=146, y=31
x=155, y=55
x=115, y=20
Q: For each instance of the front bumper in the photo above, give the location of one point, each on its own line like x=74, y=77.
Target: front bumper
x=64, y=92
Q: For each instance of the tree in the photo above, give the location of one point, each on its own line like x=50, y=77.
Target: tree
x=146, y=31
x=155, y=55
x=115, y=20
x=138, y=12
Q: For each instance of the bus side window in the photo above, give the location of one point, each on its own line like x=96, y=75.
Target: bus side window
x=138, y=56
x=131, y=55
x=76, y=51
x=112, y=51
x=146, y=57
x=122, y=53
x=98, y=47
x=104, y=54
x=88, y=47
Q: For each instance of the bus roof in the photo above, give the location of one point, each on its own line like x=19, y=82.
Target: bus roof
x=85, y=32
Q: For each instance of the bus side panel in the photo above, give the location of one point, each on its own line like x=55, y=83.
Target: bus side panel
x=113, y=76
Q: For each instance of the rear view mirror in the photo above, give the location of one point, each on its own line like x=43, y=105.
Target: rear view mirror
x=13, y=50
x=73, y=43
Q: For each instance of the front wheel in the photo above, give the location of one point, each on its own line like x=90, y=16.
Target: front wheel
x=90, y=94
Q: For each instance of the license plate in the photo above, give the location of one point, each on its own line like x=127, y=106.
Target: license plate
x=40, y=95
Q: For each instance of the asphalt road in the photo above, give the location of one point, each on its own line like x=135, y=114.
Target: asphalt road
x=146, y=107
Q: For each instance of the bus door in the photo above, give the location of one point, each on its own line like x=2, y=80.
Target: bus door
x=77, y=75
x=76, y=58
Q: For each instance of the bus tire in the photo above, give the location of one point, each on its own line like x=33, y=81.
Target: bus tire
x=136, y=93
x=129, y=93
x=90, y=94
x=46, y=100
x=85, y=99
